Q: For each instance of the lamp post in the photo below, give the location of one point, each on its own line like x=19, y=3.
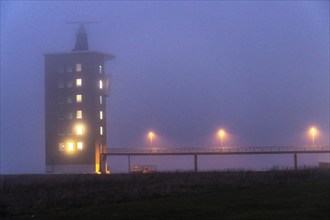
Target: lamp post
x=221, y=134
x=151, y=137
x=312, y=132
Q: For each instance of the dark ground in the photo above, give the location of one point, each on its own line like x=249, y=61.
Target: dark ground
x=213, y=195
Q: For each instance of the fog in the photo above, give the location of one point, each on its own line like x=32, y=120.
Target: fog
x=259, y=70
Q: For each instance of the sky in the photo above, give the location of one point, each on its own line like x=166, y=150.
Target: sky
x=257, y=69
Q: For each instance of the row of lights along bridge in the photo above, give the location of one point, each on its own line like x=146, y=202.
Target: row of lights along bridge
x=221, y=134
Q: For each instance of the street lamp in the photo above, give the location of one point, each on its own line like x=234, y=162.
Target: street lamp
x=312, y=132
x=221, y=134
x=151, y=137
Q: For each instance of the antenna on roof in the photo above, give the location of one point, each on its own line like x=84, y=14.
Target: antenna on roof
x=81, y=36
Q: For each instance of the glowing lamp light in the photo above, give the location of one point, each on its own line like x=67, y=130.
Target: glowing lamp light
x=313, y=132
x=151, y=137
x=221, y=135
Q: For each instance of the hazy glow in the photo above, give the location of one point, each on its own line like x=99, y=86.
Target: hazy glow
x=101, y=99
x=80, y=145
x=78, y=82
x=313, y=133
x=248, y=67
x=151, y=137
x=221, y=134
x=78, y=98
x=70, y=146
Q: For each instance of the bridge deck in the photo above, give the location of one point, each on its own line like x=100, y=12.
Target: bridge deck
x=211, y=151
x=218, y=150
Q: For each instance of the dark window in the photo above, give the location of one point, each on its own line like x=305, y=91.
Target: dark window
x=61, y=130
x=69, y=84
x=69, y=69
x=60, y=83
x=69, y=99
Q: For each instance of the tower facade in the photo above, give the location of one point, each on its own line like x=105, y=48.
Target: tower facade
x=76, y=88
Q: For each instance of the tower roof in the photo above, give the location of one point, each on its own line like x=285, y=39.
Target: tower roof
x=81, y=39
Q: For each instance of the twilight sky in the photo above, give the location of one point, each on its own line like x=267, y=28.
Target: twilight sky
x=260, y=70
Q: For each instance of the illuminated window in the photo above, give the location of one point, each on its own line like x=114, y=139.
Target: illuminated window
x=79, y=98
x=61, y=146
x=79, y=130
x=79, y=145
x=79, y=114
x=101, y=130
x=70, y=146
x=78, y=67
x=101, y=84
x=101, y=115
x=100, y=69
x=78, y=82
x=101, y=99
x=60, y=83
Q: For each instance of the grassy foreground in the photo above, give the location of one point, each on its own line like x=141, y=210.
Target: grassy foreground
x=215, y=195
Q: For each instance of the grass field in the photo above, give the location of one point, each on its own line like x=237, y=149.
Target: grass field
x=215, y=195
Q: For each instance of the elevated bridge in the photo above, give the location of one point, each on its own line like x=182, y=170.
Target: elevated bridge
x=227, y=150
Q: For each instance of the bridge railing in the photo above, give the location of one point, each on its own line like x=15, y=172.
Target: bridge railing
x=228, y=149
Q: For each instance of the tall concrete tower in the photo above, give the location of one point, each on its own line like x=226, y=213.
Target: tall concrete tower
x=76, y=88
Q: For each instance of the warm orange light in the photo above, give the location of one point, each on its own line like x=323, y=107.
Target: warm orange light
x=78, y=82
x=221, y=135
x=79, y=129
x=78, y=98
x=151, y=137
x=313, y=133
x=70, y=146
x=61, y=146
x=79, y=114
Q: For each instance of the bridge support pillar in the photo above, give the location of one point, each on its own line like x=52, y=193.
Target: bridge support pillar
x=129, y=163
x=195, y=163
x=295, y=158
x=103, y=164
